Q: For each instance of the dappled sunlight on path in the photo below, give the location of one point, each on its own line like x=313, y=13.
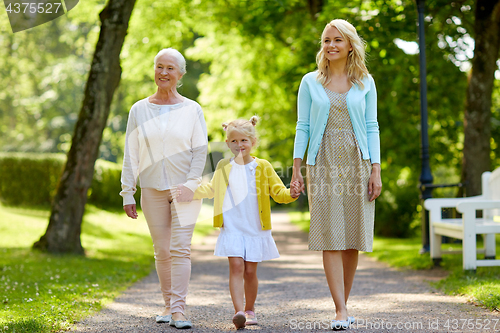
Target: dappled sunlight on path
x=293, y=296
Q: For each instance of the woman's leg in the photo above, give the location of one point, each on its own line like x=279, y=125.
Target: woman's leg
x=251, y=285
x=334, y=271
x=184, y=217
x=236, y=284
x=350, y=264
x=156, y=208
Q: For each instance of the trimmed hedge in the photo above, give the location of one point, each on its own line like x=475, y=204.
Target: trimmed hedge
x=106, y=185
x=30, y=179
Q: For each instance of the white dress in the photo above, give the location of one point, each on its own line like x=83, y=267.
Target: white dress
x=241, y=234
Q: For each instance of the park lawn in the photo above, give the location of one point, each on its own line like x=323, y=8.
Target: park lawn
x=482, y=288
x=41, y=292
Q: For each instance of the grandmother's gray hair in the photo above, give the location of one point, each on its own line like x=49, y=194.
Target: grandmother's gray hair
x=181, y=62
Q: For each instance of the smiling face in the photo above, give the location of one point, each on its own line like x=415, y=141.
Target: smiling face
x=240, y=146
x=167, y=72
x=335, y=47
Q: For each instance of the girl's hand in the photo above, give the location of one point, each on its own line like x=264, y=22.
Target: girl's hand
x=183, y=194
x=297, y=175
x=174, y=192
x=375, y=182
x=294, y=189
x=131, y=211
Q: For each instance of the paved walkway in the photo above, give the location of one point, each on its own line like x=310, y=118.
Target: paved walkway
x=293, y=296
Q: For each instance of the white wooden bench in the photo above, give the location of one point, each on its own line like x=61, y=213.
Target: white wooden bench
x=469, y=225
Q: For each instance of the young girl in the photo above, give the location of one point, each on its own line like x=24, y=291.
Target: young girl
x=242, y=186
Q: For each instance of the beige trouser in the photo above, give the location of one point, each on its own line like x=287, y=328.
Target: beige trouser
x=172, y=242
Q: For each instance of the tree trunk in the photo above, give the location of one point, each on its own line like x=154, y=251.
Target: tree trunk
x=63, y=231
x=477, y=118
x=315, y=7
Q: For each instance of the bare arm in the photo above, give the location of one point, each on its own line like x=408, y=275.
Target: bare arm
x=297, y=175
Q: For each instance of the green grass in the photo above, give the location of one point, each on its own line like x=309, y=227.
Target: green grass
x=481, y=287
x=300, y=219
x=41, y=292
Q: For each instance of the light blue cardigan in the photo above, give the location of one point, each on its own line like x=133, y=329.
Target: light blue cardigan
x=313, y=109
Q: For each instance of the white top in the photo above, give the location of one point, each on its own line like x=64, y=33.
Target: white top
x=242, y=234
x=163, y=125
x=240, y=201
x=163, y=147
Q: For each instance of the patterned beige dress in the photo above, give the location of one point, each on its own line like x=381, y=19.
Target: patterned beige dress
x=337, y=185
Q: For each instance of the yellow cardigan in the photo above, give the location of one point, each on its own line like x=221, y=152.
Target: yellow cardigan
x=267, y=183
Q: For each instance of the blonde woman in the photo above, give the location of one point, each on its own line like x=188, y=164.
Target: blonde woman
x=337, y=122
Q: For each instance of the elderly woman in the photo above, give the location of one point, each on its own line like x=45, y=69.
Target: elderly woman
x=166, y=146
x=337, y=122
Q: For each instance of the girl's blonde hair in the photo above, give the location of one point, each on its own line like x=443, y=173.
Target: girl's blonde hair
x=356, y=67
x=245, y=127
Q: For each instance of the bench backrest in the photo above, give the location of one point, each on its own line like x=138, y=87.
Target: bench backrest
x=493, y=190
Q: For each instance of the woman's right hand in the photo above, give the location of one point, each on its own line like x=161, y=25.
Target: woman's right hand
x=297, y=175
x=131, y=211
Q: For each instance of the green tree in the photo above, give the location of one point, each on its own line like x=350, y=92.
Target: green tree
x=63, y=231
x=42, y=75
x=258, y=53
x=477, y=131
x=249, y=58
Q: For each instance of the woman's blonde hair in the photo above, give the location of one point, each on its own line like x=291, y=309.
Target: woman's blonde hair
x=245, y=127
x=356, y=67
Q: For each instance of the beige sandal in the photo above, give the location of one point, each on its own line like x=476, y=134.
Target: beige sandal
x=239, y=320
x=251, y=318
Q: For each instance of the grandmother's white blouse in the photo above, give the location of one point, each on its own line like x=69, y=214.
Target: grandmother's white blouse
x=163, y=148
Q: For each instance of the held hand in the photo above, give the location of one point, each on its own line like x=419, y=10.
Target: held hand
x=300, y=180
x=131, y=211
x=294, y=189
x=183, y=194
x=375, y=182
x=174, y=192
x=297, y=174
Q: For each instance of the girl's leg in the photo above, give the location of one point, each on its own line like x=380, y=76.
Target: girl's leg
x=156, y=208
x=350, y=264
x=251, y=285
x=334, y=271
x=236, y=284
